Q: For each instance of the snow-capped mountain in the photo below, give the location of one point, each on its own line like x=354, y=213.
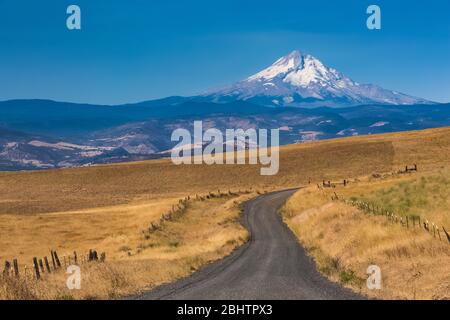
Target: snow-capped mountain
x=302, y=80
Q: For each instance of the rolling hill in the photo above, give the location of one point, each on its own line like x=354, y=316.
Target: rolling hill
x=39, y=134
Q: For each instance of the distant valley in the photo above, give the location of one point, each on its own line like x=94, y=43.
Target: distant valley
x=40, y=134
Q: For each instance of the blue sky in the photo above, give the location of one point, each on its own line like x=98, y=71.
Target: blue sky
x=134, y=50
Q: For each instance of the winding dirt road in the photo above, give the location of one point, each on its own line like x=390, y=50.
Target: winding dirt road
x=272, y=265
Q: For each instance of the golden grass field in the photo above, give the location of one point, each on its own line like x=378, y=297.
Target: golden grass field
x=107, y=207
x=206, y=231
x=344, y=241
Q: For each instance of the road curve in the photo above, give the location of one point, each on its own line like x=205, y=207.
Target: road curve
x=272, y=265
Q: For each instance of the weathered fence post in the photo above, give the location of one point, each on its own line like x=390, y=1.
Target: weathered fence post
x=7, y=268
x=41, y=265
x=47, y=265
x=16, y=268
x=58, y=263
x=53, y=259
x=36, y=268
x=446, y=234
x=75, y=257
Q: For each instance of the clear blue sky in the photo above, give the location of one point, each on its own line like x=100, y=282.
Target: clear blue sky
x=134, y=50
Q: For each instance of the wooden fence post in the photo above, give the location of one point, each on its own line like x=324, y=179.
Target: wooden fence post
x=16, y=268
x=36, y=268
x=53, y=260
x=41, y=265
x=75, y=257
x=58, y=263
x=47, y=265
x=7, y=268
x=446, y=234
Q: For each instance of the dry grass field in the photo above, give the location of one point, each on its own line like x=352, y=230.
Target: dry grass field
x=344, y=241
x=206, y=231
x=107, y=207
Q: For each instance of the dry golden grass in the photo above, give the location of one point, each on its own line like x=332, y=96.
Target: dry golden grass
x=344, y=242
x=110, y=185
x=107, y=207
x=105, y=228
x=206, y=231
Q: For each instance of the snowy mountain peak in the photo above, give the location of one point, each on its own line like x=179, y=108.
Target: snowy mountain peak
x=301, y=70
x=300, y=79
x=280, y=67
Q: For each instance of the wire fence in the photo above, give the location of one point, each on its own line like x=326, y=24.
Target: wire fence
x=44, y=265
x=180, y=208
x=408, y=221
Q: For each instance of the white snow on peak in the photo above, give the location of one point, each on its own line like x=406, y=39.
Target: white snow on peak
x=280, y=67
x=311, y=70
x=301, y=70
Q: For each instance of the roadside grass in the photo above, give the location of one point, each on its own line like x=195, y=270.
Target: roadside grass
x=344, y=241
x=207, y=231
